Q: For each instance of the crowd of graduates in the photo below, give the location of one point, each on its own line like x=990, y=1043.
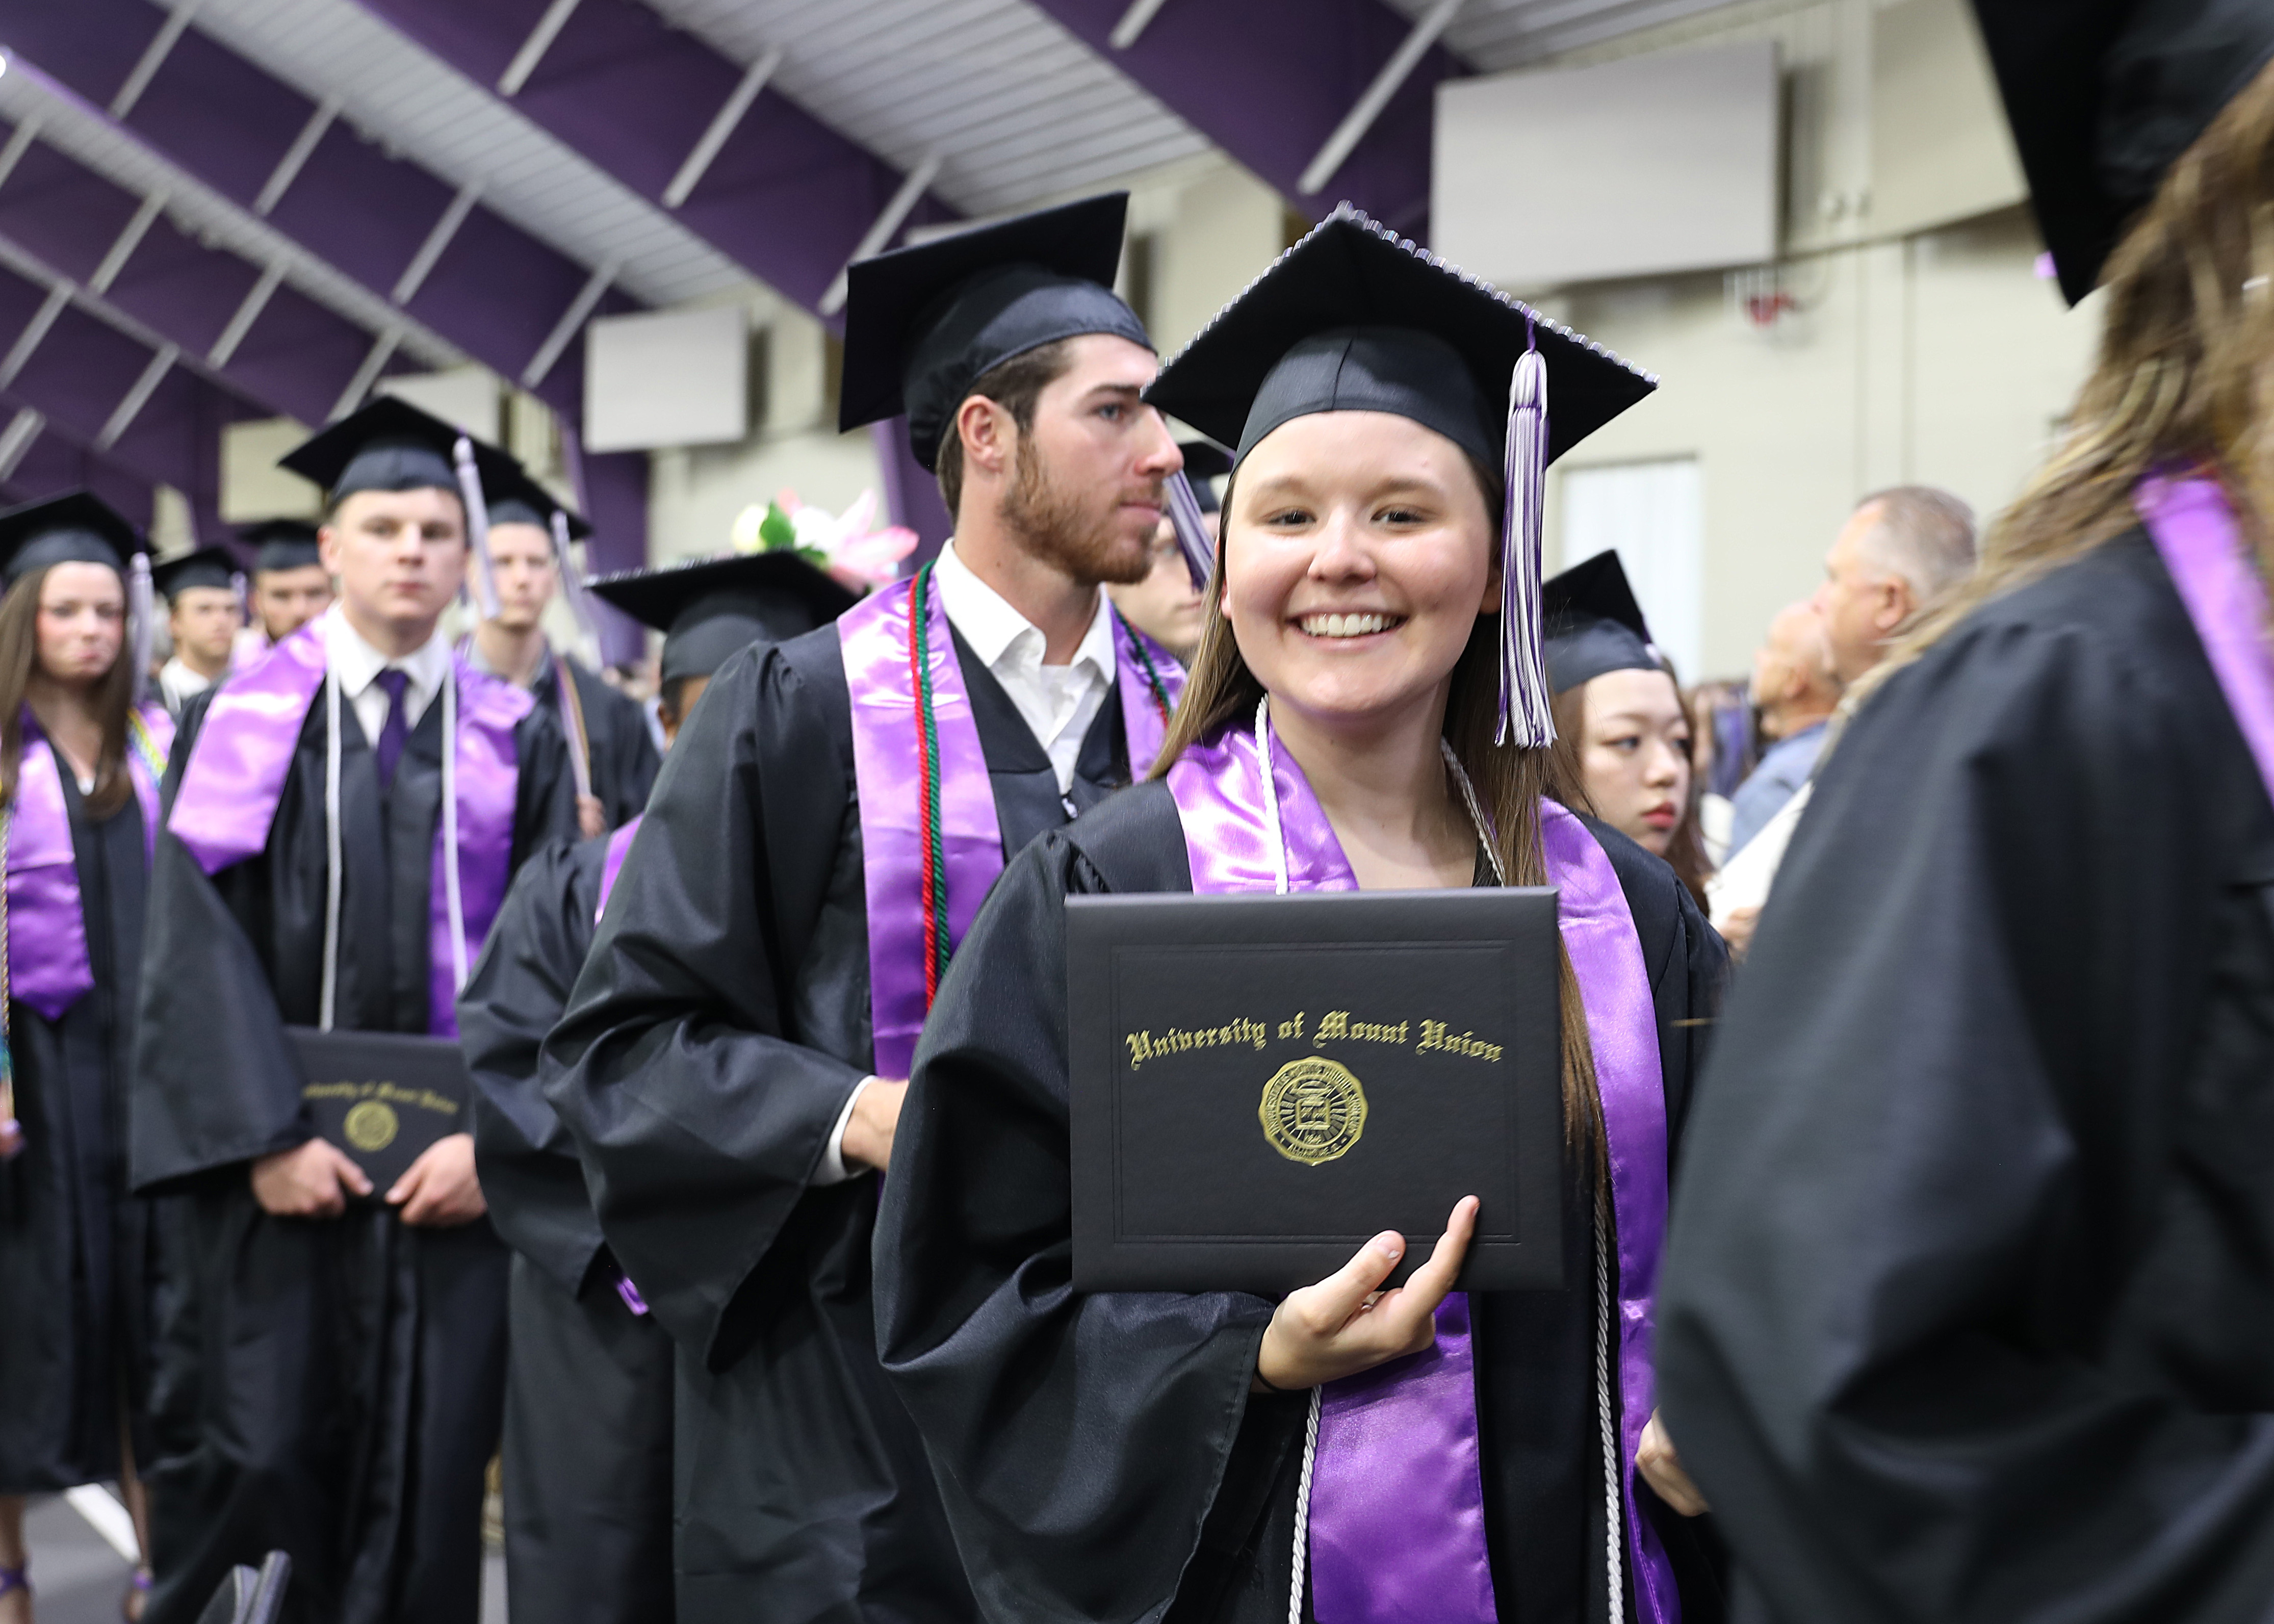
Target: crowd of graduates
x=1914, y=1269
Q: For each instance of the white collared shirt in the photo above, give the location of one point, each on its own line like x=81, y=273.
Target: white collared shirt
x=1058, y=701
x=358, y=665
x=179, y=684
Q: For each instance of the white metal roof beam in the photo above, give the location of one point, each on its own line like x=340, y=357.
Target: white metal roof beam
x=895, y=215
x=128, y=241
x=1134, y=23
x=565, y=329
x=722, y=124
x=533, y=48
x=136, y=398
x=27, y=131
x=382, y=350
x=248, y=312
x=1386, y=84
x=16, y=440
x=35, y=332
x=430, y=252
x=152, y=58
x=296, y=156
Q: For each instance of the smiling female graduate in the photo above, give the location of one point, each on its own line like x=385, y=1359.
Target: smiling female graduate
x=1122, y=1455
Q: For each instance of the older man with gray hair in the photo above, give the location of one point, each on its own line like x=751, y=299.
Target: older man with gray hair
x=1900, y=553
x=1794, y=693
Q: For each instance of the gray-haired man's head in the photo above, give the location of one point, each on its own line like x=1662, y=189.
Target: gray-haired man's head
x=1901, y=552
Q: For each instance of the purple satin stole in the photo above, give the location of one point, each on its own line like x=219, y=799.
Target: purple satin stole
x=875, y=638
x=611, y=863
x=234, y=778
x=1396, y=1524
x=2194, y=529
x=49, y=968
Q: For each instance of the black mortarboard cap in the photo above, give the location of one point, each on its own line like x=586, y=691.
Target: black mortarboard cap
x=80, y=527
x=923, y=324
x=282, y=544
x=1355, y=319
x=708, y=609
x=515, y=498
x=211, y=566
x=2103, y=94
x=1205, y=461
x=1594, y=625
x=390, y=445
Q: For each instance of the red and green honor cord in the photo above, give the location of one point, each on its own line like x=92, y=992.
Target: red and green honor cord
x=935, y=852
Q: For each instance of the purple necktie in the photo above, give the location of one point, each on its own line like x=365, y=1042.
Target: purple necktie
x=397, y=726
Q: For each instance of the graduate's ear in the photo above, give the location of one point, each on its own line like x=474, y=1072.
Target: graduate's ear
x=989, y=434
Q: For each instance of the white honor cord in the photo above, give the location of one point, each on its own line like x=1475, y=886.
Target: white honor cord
x=1303, y=1510
x=450, y=831
x=1612, y=1500
x=1270, y=800
x=327, y=1002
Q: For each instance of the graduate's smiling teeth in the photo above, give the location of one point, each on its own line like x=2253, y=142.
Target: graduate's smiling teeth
x=1347, y=625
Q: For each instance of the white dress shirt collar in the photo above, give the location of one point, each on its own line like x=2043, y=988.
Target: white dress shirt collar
x=1058, y=701
x=358, y=665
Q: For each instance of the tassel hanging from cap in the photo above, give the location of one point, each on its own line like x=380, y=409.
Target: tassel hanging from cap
x=478, y=528
x=1527, y=717
x=141, y=622
x=572, y=584
x=1190, y=526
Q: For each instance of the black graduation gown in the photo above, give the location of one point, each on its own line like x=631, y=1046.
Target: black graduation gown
x=588, y=1383
x=1970, y=1311
x=77, y=1263
x=1101, y=1456
x=720, y=1024
x=330, y=1388
x=623, y=758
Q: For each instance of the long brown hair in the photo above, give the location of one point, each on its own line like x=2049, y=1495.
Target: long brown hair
x=19, y=657
x=1685, y=854
x=2180, y=379
x=1220, y=691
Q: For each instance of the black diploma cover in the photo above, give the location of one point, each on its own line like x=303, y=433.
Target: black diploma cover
x=382, y=1097
x=1262, y=1084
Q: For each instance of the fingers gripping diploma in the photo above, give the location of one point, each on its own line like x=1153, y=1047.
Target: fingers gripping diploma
x=440, y=1191
x=1347, y=1323
x=312, y=1180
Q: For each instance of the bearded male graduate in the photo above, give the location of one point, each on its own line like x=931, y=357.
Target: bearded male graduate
x=1969, y=1311
x=588, y=1421
x=290, y=586
x=610, y=753
x=332, y=1376
x=732, y=1063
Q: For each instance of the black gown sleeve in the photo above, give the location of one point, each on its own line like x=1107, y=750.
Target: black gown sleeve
x=519, y=988
x=678, y=1069
x=214, y=1083
x=1944, y=1132
x=1050, y=1415
x=544, y=790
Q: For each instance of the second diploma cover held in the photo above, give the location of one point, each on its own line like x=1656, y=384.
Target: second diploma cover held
x=1261, y=1084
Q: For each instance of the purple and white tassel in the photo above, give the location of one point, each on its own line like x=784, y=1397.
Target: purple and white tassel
x=572, y=584
x=1527, y=717
x=1190, y=526
x=141, y=622
x=477, y=529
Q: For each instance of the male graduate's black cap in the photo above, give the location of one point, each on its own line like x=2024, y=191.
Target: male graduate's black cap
x=1594, y=625
x=1205, y=462
x=1355, y=319
x=923, y=324
x=708, y=609
x=390, y=445
x=2104, y=95
x=515, y=498
x=208, y=567
x=282, y=544
x=78, y=528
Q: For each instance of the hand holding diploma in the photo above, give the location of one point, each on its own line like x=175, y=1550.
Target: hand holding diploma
x=1347, y=1323
x=442, y=1190
x=876, y=1117
x=312, y=1180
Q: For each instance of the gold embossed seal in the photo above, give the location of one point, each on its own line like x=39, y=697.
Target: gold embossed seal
x=372, y=1125
x=1314, y=1110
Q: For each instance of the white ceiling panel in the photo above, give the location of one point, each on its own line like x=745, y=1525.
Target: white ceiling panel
x=1495, y=35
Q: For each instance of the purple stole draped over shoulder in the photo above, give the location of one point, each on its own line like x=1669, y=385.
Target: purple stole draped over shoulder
x=238, y=763
x=1397, y=1445
x=48, y=968
x=611, y=863
x=2193, y=527
x=875, y=637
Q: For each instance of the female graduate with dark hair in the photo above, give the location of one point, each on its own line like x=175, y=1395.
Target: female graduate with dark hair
x=80, y=759
x=1207, y=1456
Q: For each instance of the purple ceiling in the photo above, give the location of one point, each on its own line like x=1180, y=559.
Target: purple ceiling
x=1268, y=80
x=787, y=197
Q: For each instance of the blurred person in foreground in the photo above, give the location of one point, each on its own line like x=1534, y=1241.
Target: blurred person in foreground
x=1969, y=1299
x=81, y=762
x=1903, y=554
x=1795, y=694
x=1165, y=605
x=587, y=1416
x=1620, y=712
